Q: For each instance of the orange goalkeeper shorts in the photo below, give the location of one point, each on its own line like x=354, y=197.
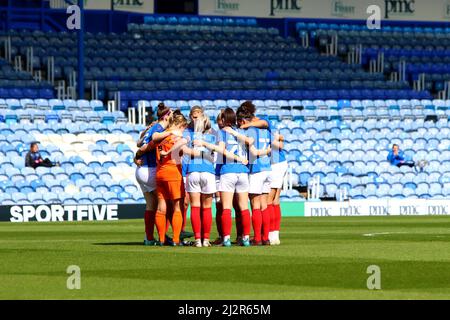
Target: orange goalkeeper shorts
x=170, y=190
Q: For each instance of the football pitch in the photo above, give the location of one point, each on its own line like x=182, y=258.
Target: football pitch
x=320, y=258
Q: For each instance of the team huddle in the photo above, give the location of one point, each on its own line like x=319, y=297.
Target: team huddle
x=183, y=162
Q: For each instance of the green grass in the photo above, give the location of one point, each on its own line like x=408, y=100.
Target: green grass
x=320, y=258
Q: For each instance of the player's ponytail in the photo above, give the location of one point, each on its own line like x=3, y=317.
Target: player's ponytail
x=178, y=119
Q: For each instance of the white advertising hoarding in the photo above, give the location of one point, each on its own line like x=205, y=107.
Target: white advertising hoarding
x=141, y=6
x=378, y=207
x=418, y=10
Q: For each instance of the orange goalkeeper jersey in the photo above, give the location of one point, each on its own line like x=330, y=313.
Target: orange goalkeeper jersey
x=168, y=167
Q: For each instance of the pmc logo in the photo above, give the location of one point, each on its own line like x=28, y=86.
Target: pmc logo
x=447, y=9
x=399, y=7
x=284, y=5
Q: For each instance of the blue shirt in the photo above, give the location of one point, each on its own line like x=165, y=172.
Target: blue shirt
x=233, y=146
x=277, y=155
x=200, y=164
x=149, y=158
x=395, y=160
x=185, y=159
x=262, y=140
x=218, y=159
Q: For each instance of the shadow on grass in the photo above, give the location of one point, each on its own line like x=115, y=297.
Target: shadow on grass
x=119, y=244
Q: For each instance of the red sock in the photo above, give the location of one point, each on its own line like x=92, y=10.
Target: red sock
x=277, y=217
x=265, y=223
x=206, y=222
x=196, y=222
x=226, y=222
x=219, y=218
x=246, y=222
x=149, y=220
x=257, y=224
x=238, y=218
x=272, y=217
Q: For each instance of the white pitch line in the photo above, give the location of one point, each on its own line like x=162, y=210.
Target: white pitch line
x=380, y=234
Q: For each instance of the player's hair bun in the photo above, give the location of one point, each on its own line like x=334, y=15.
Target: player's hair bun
x=248, y=107
x=162, y=110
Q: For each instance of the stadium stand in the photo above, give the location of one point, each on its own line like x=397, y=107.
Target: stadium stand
x=423, y=50
x=20, y=84
x=192, y=58
x=339, y=120
x=345, y=142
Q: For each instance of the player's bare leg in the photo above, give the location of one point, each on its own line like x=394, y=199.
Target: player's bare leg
x=149, y=217
x=185, y=206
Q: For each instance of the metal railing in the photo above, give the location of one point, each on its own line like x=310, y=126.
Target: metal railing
x=314, y=188
x=7, y=49
x=377, y=65
x=342, y=194
x=94, y=90
x=72, y=87
x=331, y=49
x=61, y=89
x=111, y=106
x=305, y=40
x=354, y=56
x=29, y=60
x=51, y=70
x=18, y=63
x=402, y=70
x=419, y=84
x=445, y=94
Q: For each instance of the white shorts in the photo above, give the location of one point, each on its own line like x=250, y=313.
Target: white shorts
x=234, y=182
x=146, y=177
x=259, y=182
x=277, y=174
x=202, y=182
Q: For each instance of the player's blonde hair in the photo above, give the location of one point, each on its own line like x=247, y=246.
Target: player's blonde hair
x=196, y=108
x=178, y=119
x=203, y=124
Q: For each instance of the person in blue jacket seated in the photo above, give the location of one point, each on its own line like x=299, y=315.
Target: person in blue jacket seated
x=397, y=158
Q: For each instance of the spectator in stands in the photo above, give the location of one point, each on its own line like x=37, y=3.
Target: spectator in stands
x=397, y=158
x=34, y=159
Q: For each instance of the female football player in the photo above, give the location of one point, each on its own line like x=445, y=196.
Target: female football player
x=259, y=176
x=146, y=170
x=169, y=180
x=279, y=167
